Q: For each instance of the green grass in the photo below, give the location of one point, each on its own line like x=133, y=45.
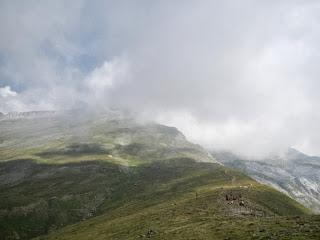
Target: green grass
x=191, y=205
x=173, y=193
x=74, y=139
x=190, y=221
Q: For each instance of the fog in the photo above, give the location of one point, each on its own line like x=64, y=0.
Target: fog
x=231, y=75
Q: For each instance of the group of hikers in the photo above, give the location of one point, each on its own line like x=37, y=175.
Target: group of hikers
x=231, y=198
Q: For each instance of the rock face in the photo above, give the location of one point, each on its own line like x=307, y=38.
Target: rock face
x=296, y=174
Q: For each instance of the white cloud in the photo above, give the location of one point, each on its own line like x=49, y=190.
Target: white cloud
x=110, y=74
x=7, y=92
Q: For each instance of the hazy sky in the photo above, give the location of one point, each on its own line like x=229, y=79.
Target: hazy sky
x=239, y=75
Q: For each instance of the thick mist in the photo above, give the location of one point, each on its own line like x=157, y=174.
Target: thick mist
x=231, y=75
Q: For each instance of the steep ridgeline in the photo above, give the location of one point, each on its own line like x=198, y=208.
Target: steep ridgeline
x=113, y=178
x=73, y=136
x=295, y=174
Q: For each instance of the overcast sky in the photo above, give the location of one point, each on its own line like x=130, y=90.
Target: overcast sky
x=233, y=75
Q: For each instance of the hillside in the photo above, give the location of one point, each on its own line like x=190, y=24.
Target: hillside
x=74, y=136
x=184, y=199
x=115, y=178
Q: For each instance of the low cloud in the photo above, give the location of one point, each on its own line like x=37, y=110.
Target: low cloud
x=232, y=75
x=105, y=78
x=6, y=92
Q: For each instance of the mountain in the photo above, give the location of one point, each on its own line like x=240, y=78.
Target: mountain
x=71, y=136
x=294, y=173
x=76, y=175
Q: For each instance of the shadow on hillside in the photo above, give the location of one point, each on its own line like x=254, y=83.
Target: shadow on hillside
x=76, y=150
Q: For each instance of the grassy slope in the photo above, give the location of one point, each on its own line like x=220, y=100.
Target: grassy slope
x=74, y=138
x=63, y=169
x=133, y=177
x=157, y=195
x=191, y=205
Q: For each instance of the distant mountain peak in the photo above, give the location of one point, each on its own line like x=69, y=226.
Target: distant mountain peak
x=293, y=153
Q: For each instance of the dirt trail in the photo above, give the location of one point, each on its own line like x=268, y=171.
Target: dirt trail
x=233, y=180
